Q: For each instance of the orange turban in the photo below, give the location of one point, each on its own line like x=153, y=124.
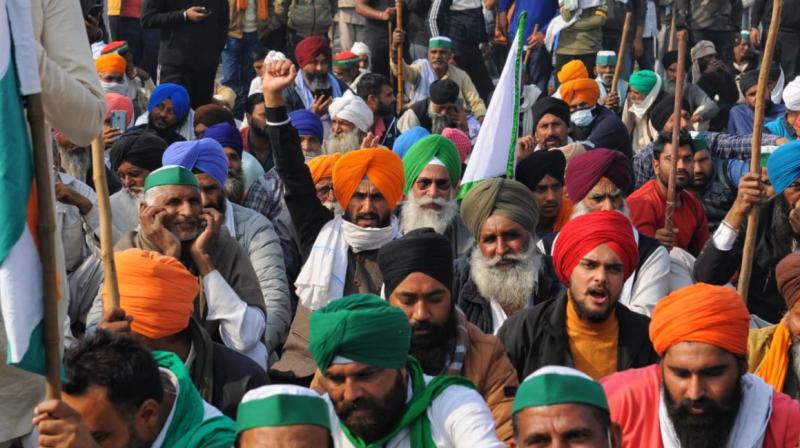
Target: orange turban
x=322, y=166
x=705, y=313
x=110, y=63
x=156, y=290
x=383, y=168
x=584, y=89
x=574, y=69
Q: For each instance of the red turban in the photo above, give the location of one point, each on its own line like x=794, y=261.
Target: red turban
x=309, y=48
x=322, y=166
x=582, y=234
x=381, y=166
x=584, y=89
x=705, y=313
x=585, y=170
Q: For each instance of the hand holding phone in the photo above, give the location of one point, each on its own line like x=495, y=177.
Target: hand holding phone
x=119, y=119
x=197, y=13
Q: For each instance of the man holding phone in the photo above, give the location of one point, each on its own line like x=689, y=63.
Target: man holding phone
x=193, y=34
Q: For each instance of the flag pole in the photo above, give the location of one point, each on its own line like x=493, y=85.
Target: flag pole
x=623, y=43
x=104, y=210
x=676, y=132
x=46, y=230
x=400, y=64
x=755, y=155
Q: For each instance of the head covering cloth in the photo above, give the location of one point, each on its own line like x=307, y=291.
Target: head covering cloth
x=140, y=148
x=549, y=105
x=783, y=166
x=205, y=155
x=787, y=275
x=585, y=170
x=424, y=151
x=308, y=49
x=460, y=140
x=169, y=91
x=791, y=95
x=226, y=135
x=346, y=59
x=281, y=405
x=110, y=63
x=252, y=170
x=407, y=139
x=662, y=111
x=118, y=46
x=505, y=197
x=605, y=57
x=532, y=169
x=353, y=109
x=583, y=89
x=170, y=175
x=421, y=250
x=211, y=114
x=322, y=166
x=552, y=385
x=574, y=69
x=444, y=91
x=307, y=123
x=116, y=101
x=382, y=167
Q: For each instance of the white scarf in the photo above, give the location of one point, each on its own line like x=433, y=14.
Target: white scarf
x=322, y=278
x=640, y=109
x=426, y=78
x=750, y=426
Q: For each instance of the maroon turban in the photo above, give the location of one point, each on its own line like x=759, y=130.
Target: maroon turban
x=309, y=48
x=585, y=170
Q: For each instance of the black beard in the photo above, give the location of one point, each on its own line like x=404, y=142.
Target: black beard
x=384, y=412
x=709, y=430
x=596, y=317
x=433, y=350
x=258, y=131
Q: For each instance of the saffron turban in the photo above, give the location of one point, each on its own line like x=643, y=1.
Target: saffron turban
x=360, y=328
x=140, y=148
x=549, y=105
x=115, y=101
x=507, y=198
x=421, y=250
x=704, y=313
x=574, y=69
x=110, y=63
x=352, y=108
x=211, y=114
x=226, y=135
x=381, y=166
x=783, y=166
x=205, y=155
x=461, y=140
x=582, y=234
x=787, y=275
x=532, y=169
x=583, y=89
x=429, y=150
x=169, y=91
x=585, y=170
x=156, y=290
x=310, y=48
x=407, y=139
x=306, y=123
x=322, y=166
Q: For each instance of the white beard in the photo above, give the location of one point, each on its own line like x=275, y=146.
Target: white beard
x=510, y=286
x=413, y=216
x=76, y=162
x=343, y=142
x=334, y=207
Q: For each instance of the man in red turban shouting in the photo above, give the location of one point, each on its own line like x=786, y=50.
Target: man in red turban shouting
x=588, y=329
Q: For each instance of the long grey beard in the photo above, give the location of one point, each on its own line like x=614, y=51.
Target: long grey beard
x=343, y=142
x=579, y=209
x=509, y=286
x=76, y=162
x=234, y=186
x=438, y=122
x=415, y=217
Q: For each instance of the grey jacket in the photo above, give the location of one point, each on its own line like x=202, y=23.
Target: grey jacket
x=712, y=15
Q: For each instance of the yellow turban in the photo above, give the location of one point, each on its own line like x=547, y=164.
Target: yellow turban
x=381, y=166
x=322, y=166
x=110, y=63
x=584, y=89
x=574, y=69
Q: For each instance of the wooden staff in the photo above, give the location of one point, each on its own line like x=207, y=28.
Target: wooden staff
x=672, y=193
x=400, y=64
x=626, y=28
x=46, y=229
x=104, y=210
x=530, y=49
x=755, y=155
x=671, y=43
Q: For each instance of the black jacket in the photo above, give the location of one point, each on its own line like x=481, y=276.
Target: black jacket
x=184, y=43
x=606, y=131
x=537, y=337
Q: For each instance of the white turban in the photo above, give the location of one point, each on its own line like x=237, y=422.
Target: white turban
x=352, y=108
x=361, y=49
x=791, y=95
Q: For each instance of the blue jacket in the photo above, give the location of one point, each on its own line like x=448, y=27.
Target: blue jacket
x=539, y=11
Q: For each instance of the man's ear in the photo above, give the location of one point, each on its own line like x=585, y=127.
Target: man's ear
x=616, y=435
x=147, y=418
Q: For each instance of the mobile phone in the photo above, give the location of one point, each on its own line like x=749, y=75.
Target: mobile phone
x=322, y=92
x=205, y=10
x=119, y=119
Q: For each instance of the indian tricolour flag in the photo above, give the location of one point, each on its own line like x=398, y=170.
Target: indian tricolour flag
x=495, y=148
x=21, y=297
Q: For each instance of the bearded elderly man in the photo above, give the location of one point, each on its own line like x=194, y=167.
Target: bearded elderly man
x=700, y=394
x=321, y=169
x=644, y=91
x=586, y=328
x=379, y=394
x=339, y=251
x=351, y=119
x=433, y=171
x=230, y=138
x=316, y=87
x=505, y=272
x=443, y=108
x=598, y=181
x=543, y=173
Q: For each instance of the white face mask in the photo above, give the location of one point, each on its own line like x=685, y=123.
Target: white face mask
x=582, y=118
x=115, y=87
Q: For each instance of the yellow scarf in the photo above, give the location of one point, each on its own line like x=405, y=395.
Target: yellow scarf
x=261, y=8
x=775, y=363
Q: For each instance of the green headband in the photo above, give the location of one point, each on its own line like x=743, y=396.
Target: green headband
x=282, y=410
x=548, y=389
x=170, y=175
x=347, y=63
x=440, y=42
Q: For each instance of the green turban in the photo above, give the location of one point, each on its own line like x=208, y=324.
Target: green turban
x=170, y=175
x=643, y=81
x=362, y=328
x=505, y=197
x=427, y=149
x=553, y=385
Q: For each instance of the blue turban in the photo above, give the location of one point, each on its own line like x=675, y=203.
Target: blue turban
x=204, y=155
x=176, y=93
x=306, y=123
x=226, y=135
x=783, y=166
x=408, y=138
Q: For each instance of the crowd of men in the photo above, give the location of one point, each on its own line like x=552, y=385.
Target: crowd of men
x=300, y=265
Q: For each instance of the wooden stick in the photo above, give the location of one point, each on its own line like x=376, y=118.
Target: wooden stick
x=530, y=49
x=400, y=64
x=623, y=43
x=672, y=192
x=755, y=155
x=104, y=210
x=671, y=43
x=46, y=229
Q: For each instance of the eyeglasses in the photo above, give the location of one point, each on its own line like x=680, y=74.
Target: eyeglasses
x=441, y=184
x=324, y=191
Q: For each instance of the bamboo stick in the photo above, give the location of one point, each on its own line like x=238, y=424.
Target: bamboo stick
x=672, y=192
x=623, y=43
x=530, y=49
x=104, y=210
x=400, y=64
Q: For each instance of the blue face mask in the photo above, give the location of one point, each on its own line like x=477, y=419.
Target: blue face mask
x=582, y=118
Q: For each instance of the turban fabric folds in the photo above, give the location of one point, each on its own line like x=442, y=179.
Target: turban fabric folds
x=574, y=69
x=156, y=290
x=549, y=105
x=662, y=111
x=352, y=108
x=226, y=135
x=585, y=170
x=460, y=140
x=174, y=92
x=444, y=91
x=606, y=58
x=281, y=405
x=440, y=42
x=381, y=166
x=425, y=150
x=322, y=166
x=252, y=170
x=310, y=48
x=140, y=148
x=306, y=123
x=787, y=275
x=791, y=95
x=643, y=81
x=582, y=234
x=361, y=49
x=783, y=166
x=421, y=250
x=205, y=155
x=170, y=175
x=507, y=198
x=582, y=89
x=211, y=114
x=407, y=139
x=110, y=63
x=361, y=328
x=704, y=313
x=551, y=385
x=532, y=169
x=702, y=49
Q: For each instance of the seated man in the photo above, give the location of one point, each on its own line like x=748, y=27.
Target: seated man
x=309, y=128
x=550, y=129
x=716, y=79
x=111, y=69
x=605, y=63
x=543, y=173
x=648, y=203
x=351, y=119
x=168, y=114
x=587, y=327
x=230, y=138
x=700, y=394
x=316, y=87
x=742, y=116
x=433, y=170
x=283, y=416
x=787, y=124
x=321, y=169
x=773, y=352
x=701, y=107
x=643, y=92
x=505, y=272
x=379, y=394
x=441, y=109
x=345, y=68
x=561, y=406
x=418, y=271
x=118, y=393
